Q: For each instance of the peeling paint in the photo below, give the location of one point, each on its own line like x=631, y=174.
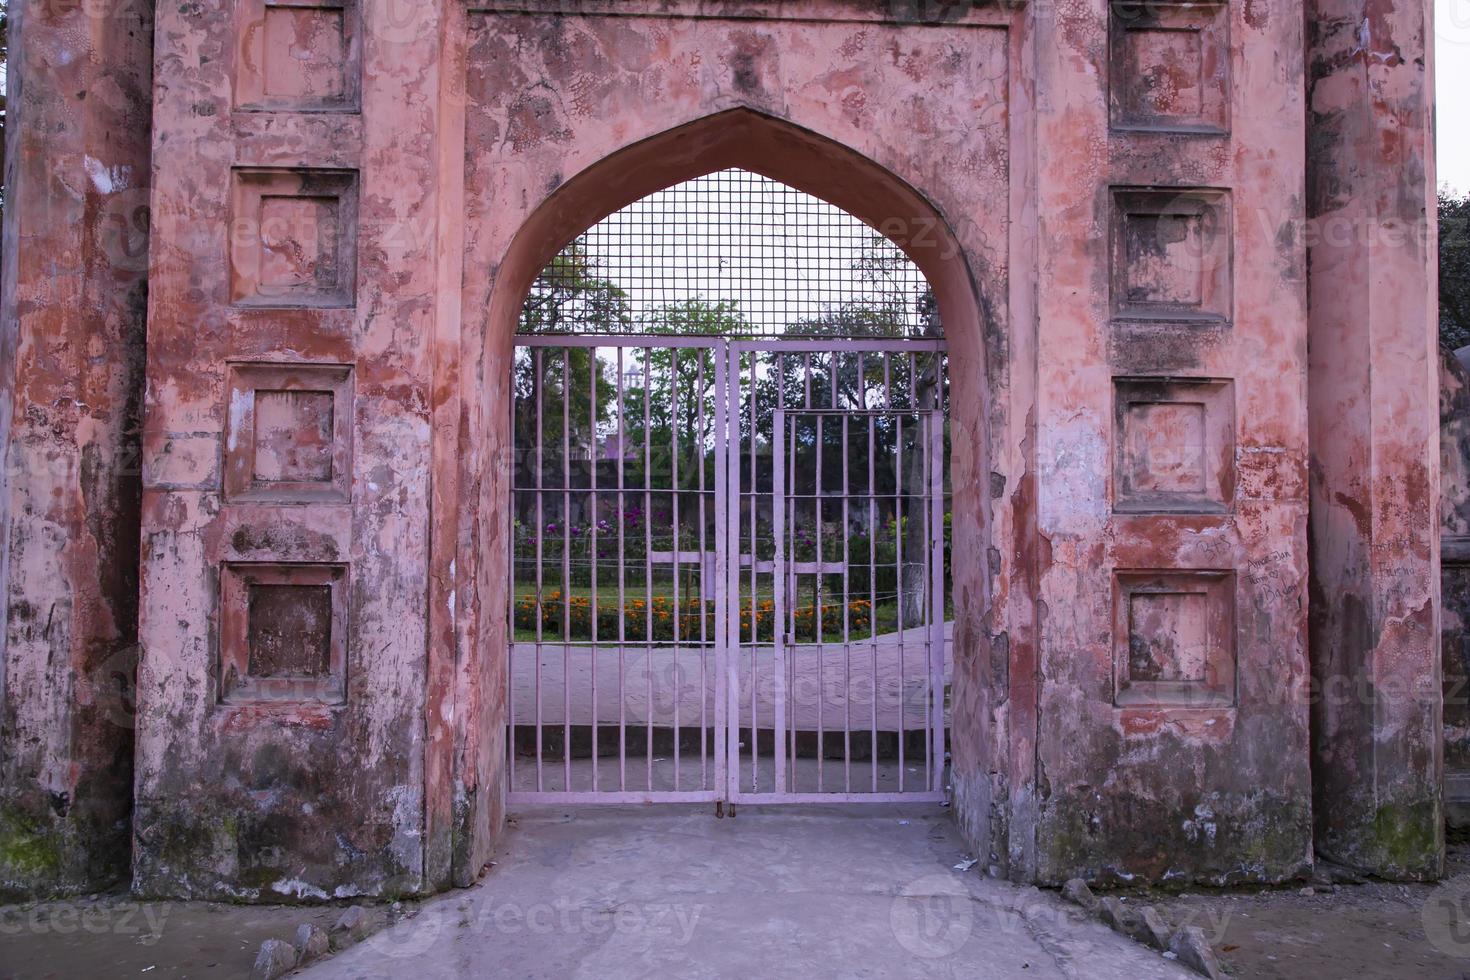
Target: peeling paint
x=1147, y=456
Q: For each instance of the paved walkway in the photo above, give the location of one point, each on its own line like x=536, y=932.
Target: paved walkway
x=880, y=683
x=610, y=893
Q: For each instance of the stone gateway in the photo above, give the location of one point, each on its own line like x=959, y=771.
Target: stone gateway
x=263, y=264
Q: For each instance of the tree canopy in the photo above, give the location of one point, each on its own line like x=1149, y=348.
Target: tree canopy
x=1454, y=270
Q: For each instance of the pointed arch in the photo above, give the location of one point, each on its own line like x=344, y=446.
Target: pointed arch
x=766, y=145
x=497, y=281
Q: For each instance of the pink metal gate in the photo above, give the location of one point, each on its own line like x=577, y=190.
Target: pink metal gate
x=728, y=571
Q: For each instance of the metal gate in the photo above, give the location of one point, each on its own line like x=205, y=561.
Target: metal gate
x=729, y=570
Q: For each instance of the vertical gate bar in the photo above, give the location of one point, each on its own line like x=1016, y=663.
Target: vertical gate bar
x=919, y=447
x=898, y=595
x=818, y=600
x=622, y=582
x=834, y=369
x=806, y=394
x=592, y=542
x=846, y=617
x=847, y=582
x=930, y=522
x=898, y=530
x=789, y=588
x=719, y=364
x=648, y=562
x=674, y=518
x=540, y=382
x=784, y=747
x=936, y=574
x=704, y=570
x=778, y=573
x=872, y=504
x=753, y=494
x=729, y=612
x=510, y=592
x=921, y=496
x=566, y=568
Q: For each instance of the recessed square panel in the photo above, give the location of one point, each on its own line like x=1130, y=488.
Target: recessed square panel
x=293, y=237
x=1166, y=72
x=298, y=55
x=1174, y=445
x=1171, y=255
x=282, y=633
x=1168, y=636
x=305, y=53
x=1174, y=638
x=294, y=436
x=290, y=630
x=289, y=433
x=1169, y=67
x=1165, y=447
x=1161, y=266
x=300, y=250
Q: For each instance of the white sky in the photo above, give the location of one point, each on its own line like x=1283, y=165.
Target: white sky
x=782, y=255
x=1452, y=84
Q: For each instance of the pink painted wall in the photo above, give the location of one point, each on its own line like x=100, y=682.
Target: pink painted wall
x=339, y=251
x=75, y=258
x=1378, y=750
x=1206, y=779
x=298, y=219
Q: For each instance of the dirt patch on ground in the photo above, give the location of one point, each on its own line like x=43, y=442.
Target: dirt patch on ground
x=1372, y=930
x=1338, y=926
x=106, y=936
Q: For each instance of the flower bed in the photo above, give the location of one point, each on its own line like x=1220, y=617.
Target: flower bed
x=658, y=618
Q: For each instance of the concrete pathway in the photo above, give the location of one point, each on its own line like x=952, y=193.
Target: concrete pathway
x=812, y=893
x=883, y=683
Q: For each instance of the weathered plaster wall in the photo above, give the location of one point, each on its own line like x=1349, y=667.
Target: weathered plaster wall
x=1377, y=746
x=340, y=245
x=299, y=227
x=1171, y=444
x=71, y=365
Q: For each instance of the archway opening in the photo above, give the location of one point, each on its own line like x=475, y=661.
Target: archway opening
x=729, y=493
x=500, y=272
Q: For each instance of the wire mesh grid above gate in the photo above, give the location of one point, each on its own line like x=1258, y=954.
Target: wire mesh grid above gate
x=732, y=254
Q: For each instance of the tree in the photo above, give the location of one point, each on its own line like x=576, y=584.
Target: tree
x=1454, y=270
x=677, y=394
x=569, y=297
x=565, y=392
